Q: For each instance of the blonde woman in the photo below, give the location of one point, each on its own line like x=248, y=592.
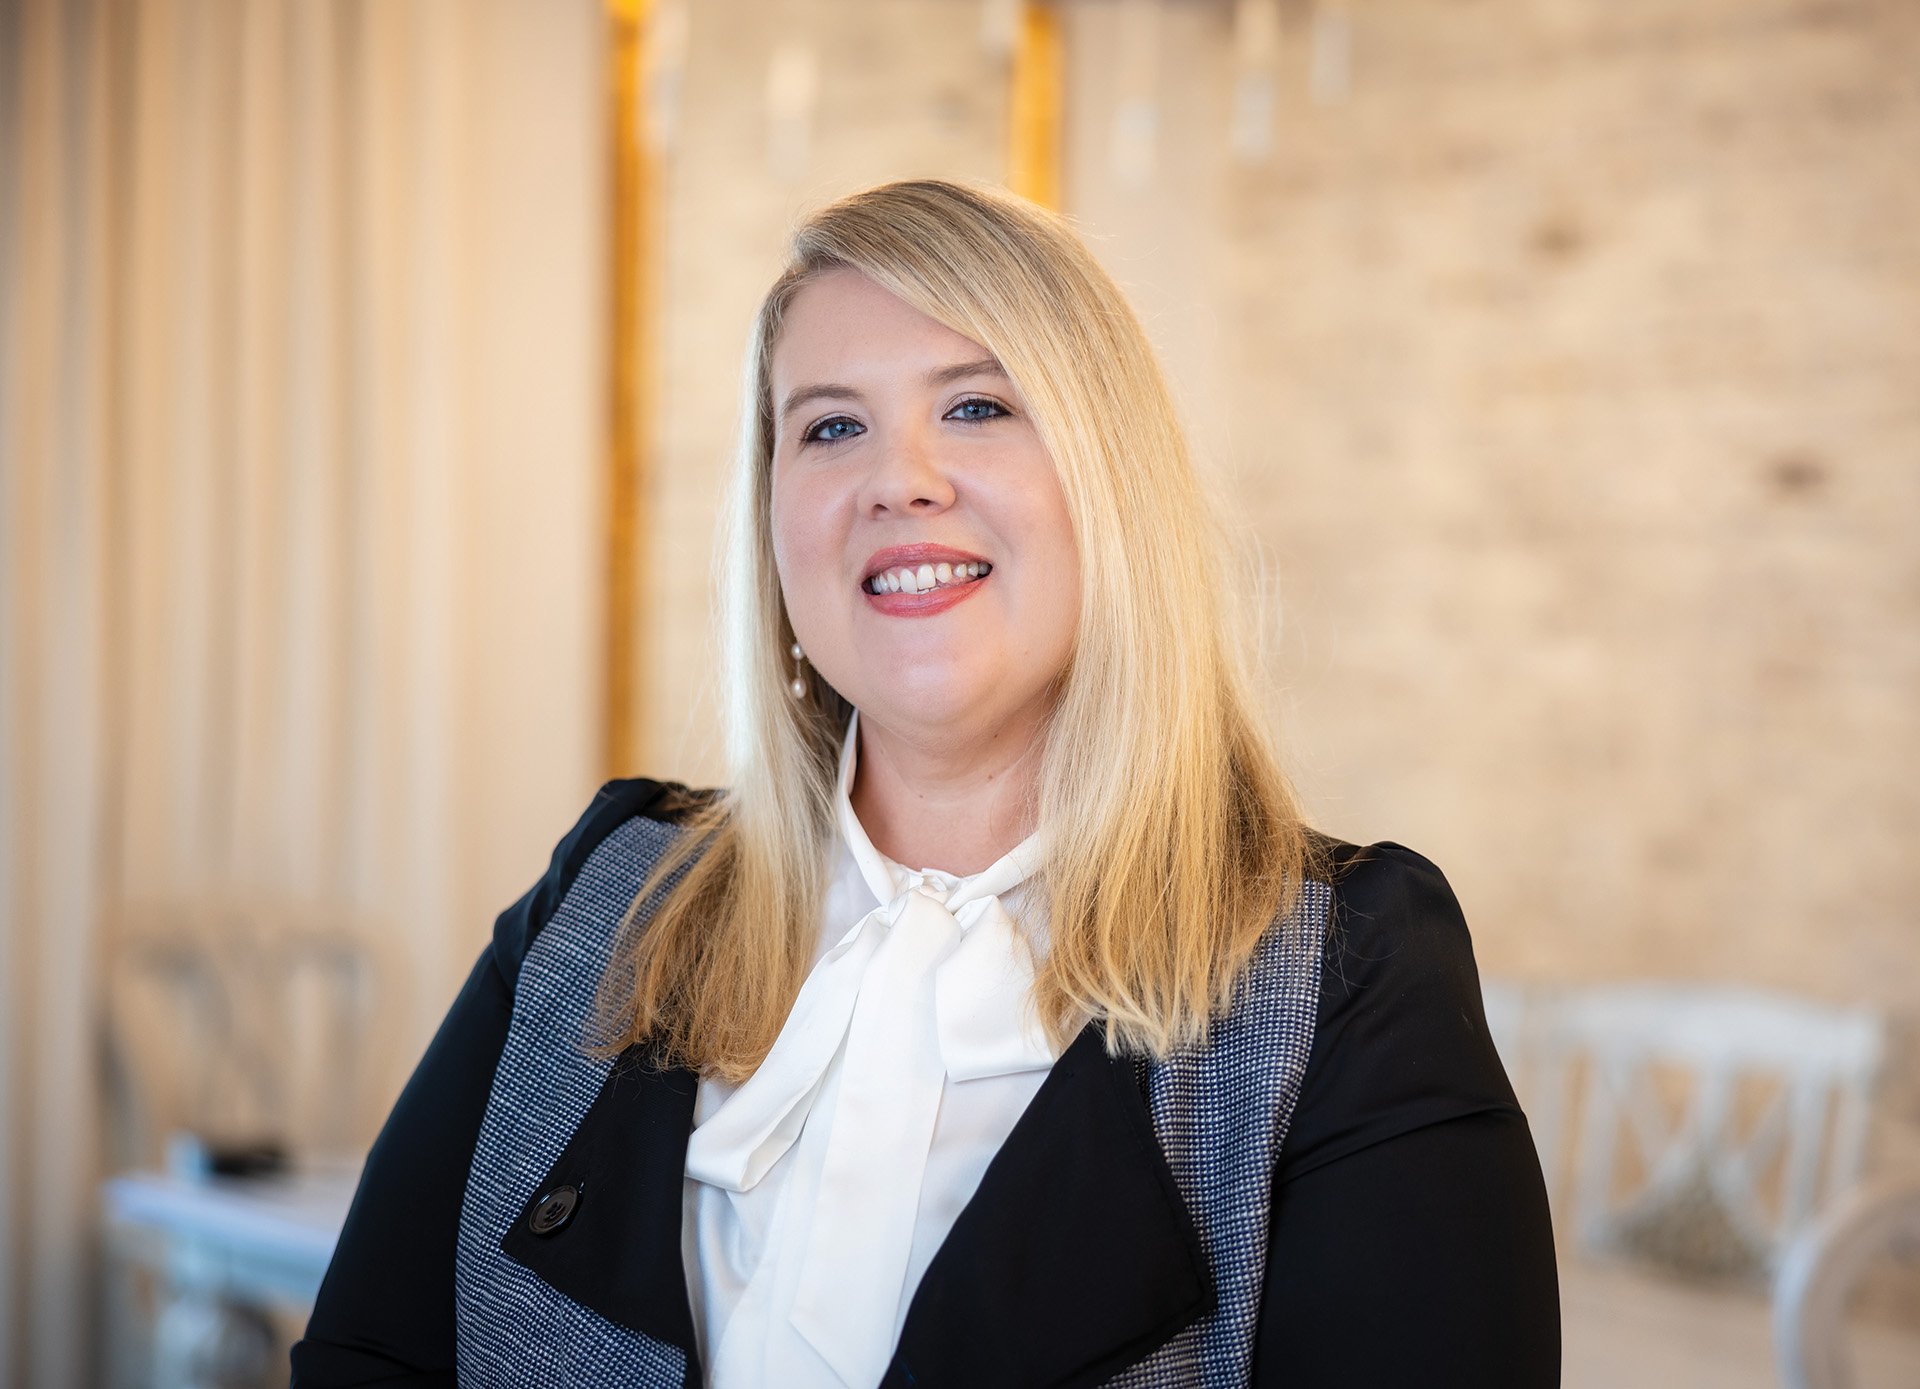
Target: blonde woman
x=1001, y=1022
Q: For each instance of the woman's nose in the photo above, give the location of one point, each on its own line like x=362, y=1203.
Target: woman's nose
x=906, y=477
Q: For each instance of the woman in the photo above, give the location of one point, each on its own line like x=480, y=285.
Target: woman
x=1002, y=1023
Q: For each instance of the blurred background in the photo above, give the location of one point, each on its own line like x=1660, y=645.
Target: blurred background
x=368, y=377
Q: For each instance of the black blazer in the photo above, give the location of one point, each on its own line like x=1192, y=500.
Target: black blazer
x=1407, y=1232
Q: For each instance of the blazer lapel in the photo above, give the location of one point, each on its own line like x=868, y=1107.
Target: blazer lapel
x=616, y=1248
x=1075, y=1257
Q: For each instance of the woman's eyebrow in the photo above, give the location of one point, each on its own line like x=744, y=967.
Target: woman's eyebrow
x=939, y=376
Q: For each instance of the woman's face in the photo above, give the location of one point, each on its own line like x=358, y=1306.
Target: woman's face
x=901, y=450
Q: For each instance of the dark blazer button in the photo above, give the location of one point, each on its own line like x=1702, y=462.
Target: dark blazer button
x=555, y=1210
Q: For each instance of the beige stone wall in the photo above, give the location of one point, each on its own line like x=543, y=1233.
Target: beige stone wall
x=1566, y=368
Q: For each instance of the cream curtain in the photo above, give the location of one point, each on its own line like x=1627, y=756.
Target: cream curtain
x=300, y=431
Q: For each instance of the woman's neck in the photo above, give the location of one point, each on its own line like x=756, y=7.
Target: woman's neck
x=956, y=803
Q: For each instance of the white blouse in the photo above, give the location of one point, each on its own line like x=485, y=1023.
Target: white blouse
x=818, y=1190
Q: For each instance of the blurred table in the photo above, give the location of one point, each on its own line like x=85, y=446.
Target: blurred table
x=223, y=1252
x=1622, y=1325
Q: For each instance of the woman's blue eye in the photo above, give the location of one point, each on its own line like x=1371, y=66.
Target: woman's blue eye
x=812, y=436
x=980, y=400
x=815, y=436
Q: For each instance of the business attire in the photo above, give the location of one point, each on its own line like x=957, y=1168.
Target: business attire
x=1338, y=1189
x=819, y=1191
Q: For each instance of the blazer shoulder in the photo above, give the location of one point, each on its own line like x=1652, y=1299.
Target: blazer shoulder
x=1401, y=1038
x=1334, y=860
x=615, y=803
x=1395, y=931
x=1392, y=904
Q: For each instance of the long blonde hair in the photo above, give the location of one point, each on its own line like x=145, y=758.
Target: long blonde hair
x=1175, y=838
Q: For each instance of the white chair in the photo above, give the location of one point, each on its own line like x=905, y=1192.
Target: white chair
x=232, y=1021
x=1820, y=1269
x=1773, y=1099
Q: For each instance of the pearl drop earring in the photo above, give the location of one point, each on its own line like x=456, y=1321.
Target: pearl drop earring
x=797, y=686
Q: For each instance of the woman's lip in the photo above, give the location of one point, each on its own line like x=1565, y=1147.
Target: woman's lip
x=934, y=600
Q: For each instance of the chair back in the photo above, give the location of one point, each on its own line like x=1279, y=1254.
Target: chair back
x=242, y=1021
x=1698, y=1126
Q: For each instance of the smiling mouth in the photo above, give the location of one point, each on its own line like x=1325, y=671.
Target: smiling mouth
x=925, y=578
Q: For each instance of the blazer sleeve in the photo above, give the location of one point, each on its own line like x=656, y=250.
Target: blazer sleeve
x=384, y=1312
x=1409, y=1238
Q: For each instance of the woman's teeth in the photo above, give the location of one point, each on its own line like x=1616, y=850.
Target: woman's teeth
x=920, y=578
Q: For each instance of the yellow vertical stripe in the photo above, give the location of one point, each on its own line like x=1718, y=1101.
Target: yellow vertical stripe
x=629, y=363
x=1035, y=117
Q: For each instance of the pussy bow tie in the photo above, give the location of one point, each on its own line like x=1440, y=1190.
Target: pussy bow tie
x=931, y=986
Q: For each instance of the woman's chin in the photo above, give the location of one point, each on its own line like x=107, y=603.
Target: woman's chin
x=919, y=698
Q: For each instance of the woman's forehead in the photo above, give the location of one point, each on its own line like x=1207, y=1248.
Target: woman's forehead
x=844, y=319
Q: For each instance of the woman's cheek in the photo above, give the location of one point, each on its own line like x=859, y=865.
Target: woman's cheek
x=797, y=539
x=811, y=561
